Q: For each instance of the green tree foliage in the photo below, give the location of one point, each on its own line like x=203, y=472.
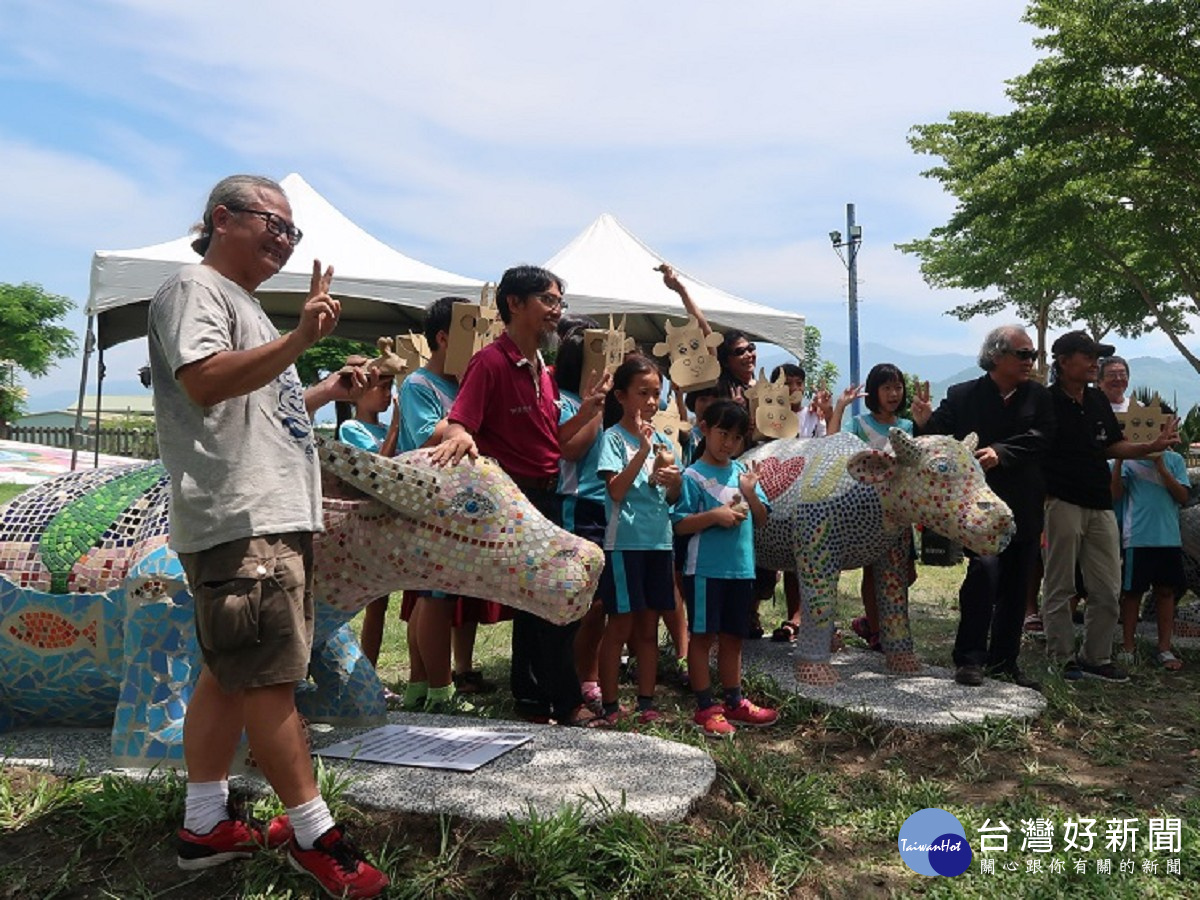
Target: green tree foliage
x=29, y=335
x=1083, y=202
x=328, y=355
x=30, y=339
x=819, y=373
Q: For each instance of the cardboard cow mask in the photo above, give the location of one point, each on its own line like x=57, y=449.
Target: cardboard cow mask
x=1142, y=424
x=604, y=350
x=771, y=407
x=693, y=364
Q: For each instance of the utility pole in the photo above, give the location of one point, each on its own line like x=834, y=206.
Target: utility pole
x=851, y=243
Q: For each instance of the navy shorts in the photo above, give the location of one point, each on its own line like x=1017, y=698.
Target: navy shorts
x=585, y=518
x=1146, y=567
x=719, y=605
x=634, y=580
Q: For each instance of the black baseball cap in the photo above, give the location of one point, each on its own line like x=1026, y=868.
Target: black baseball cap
x=1080, y=342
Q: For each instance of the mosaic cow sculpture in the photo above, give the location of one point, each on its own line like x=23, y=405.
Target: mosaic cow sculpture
x=96, y=619
x=836, y=504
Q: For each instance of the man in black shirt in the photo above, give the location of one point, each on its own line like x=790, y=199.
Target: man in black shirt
x=1080, y=525
x=1014, y=420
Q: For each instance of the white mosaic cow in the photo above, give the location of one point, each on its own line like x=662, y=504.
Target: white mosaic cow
x=96, y=618
x=693, y=366
x=836, y=504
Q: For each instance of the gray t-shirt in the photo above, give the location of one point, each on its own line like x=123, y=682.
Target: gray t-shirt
x=245, y=466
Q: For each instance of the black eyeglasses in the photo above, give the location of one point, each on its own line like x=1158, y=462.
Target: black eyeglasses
x=277, y=225
x=550, y=301
x=742, y=350
x=1024, y=355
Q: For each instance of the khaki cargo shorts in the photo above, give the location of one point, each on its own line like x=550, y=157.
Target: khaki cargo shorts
x=254, y=608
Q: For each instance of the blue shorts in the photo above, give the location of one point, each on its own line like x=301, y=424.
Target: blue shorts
x=719, y=605
x=634, y=580
x=1144, y=567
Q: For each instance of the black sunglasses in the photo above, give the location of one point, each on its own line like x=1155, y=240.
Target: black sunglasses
x=1024, y=355
x=743, y=350
x=277, y=225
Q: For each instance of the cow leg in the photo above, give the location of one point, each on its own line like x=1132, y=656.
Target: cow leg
x=158, y=673
x=891, y=591
x=345, y=689
x=818, y=594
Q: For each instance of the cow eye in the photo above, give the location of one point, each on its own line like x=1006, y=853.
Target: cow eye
x=472, y=503
x=695, y=345
x=682, y=349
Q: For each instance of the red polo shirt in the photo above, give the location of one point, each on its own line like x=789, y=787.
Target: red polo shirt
x=513, y=419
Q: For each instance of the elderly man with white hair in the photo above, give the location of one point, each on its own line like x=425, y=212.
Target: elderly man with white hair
x=1013, y=417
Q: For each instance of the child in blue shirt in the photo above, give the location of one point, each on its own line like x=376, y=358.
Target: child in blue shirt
x=358, y=425
x=636, y=586
x=1148, y=494
x=584, y=494
x=438, y=623
x=885, y=394
x=719, y=505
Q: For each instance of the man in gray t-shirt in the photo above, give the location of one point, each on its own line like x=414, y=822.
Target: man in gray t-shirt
x=236, y=438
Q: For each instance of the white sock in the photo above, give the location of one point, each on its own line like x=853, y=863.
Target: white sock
x=310, y=820
x=207, y=805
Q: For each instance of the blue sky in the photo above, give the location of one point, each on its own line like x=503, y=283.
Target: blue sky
x=472, y=136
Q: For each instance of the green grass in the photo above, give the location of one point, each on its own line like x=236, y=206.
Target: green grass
x=810, y=808
x=8, y=491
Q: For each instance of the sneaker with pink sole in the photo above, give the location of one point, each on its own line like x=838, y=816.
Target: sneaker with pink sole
x=712, y=722
x=746, y=713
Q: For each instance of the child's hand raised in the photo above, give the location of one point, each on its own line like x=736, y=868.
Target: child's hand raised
x=748, y=480
x=645, y=432
x=849, y=395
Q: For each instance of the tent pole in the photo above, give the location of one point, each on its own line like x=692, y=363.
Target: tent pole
x=89, y=344
x=99, y=404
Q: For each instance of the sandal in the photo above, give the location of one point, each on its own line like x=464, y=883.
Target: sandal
x=581, y=717
x=1169, y=661
x=785, y=633
x=1033, y=624
x=473, y=682
x=861, y=626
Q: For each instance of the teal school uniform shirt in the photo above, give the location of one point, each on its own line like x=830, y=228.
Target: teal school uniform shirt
x=716, y=552
x=362, y=435
x=642, y=520
x=1149, y=515
x=874, y=432
x=578, y=477
x=425, y=398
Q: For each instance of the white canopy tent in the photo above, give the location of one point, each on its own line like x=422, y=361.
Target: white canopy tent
x=382, y=291
x=609, y=270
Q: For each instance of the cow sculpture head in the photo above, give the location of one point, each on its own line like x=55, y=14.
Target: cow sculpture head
x=466, y=529
x=935, y=481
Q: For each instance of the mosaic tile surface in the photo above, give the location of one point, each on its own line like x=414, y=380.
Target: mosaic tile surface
x=837, y=505
x=96, y=618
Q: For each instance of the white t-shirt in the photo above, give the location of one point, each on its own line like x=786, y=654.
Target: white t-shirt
x=245, y=466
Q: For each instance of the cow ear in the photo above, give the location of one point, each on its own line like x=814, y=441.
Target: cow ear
x=661, y=349
x=795, y=397
x=905, y=446
x=714, y=339
x=409, y=487
x=871, y=466
x=972, y=442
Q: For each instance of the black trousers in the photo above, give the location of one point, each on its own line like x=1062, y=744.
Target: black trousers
x=544, y=679
x=991, y=604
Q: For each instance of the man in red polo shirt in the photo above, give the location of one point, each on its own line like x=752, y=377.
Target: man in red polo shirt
x=507, y=408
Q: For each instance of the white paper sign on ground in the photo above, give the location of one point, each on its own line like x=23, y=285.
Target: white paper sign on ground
x=461, y=749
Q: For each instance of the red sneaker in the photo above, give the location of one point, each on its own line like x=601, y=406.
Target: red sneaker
x=230, y=839
x=712, y=722
x=746, y=713
x=338, y=866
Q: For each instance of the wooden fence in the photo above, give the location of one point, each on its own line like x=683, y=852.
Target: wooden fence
x=140, y=443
